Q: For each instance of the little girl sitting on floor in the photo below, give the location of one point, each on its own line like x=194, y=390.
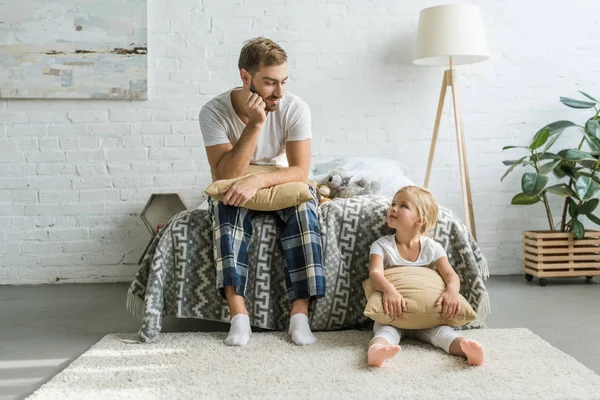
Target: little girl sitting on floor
x=412, y=213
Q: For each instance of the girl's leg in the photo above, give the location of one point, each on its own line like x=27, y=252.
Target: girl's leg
x=446, y=338
x=384, y=345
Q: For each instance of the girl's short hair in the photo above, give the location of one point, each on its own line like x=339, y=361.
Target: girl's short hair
x=425, y=203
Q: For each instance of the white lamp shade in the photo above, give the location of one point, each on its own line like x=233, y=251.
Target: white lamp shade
x=455, y=31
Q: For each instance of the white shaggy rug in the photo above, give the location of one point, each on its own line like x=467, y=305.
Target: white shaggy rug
x=519, y=365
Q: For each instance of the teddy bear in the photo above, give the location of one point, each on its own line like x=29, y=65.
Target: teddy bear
x=322, y=192
x=337, y=184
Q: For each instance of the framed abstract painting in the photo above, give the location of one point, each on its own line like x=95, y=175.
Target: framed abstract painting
x=74, y=49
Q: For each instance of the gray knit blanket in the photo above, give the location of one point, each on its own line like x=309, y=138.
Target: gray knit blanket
x=177, y=276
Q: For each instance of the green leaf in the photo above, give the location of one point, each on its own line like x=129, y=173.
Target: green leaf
x=592, y=141
x=551, y=142
x=556, y=129
x=575, y=155
x=559, y=126
x=560, y=171
x=515, y=147
x=568, y=170
x=560, y=189
x=573, y=208
x=512, y=167
x=588, y=96
x=576, y=103
x=511, y=162
x=540, y=138
x=588, y=206
x=586, y=187
x=550, y=156
x=549, y=167
x=582, y=172
x=587, y=163
x=533, y=183
x=574, y=172
x=593, y=127
x=524, y=200
x=594, y=219
x=577, y=229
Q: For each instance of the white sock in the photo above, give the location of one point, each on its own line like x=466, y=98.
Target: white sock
x=240, y=331
x=300, y=330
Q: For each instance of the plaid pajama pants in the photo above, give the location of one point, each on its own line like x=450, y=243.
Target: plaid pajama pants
x=299, y=237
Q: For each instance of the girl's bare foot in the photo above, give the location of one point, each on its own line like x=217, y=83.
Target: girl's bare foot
x=473, y=350
x=378, y=353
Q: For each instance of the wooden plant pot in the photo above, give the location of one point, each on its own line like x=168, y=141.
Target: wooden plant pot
x=549, y=254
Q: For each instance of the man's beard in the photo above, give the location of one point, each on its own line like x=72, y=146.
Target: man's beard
x=267, y=107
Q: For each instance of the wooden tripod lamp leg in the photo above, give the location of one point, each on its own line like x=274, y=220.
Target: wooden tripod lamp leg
x=450, y=77
x=436, y=129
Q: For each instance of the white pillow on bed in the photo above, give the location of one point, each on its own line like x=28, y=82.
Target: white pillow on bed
x=390, y=173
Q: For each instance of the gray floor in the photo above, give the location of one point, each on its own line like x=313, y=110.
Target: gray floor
x=44, y=328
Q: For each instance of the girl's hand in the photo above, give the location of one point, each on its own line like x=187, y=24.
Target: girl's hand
x=393, y=302
x=450, y=302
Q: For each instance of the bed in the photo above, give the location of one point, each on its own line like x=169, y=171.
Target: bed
x=177, y=276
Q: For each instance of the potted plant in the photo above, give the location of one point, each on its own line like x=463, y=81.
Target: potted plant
x=566, y=249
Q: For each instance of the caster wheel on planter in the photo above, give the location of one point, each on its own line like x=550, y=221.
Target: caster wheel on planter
x=543, y=282
x=588, y=278
x=529, y=277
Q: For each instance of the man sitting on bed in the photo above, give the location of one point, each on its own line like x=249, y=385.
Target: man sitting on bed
x=256, y=124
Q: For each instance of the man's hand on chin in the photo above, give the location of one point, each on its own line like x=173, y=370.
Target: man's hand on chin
x=241, y=191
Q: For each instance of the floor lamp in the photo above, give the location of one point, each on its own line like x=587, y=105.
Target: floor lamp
x=452, y=35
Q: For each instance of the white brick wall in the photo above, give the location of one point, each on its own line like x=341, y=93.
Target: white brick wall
x=74, y=175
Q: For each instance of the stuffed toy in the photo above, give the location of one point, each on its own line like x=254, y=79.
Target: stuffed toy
x=337, y=184
x=361, y=187
x=321, y=191
x=315, y=187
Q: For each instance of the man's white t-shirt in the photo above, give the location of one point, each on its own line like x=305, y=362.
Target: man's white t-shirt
x=431, y=251
x=289, y=122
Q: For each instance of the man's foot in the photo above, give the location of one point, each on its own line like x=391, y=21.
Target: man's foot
x=473, y=350
x=240, y=331
x=300, y=330
x=378, y=353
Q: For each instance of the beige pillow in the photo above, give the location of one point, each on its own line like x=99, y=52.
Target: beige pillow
x=268, y=199
x=421, y=287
